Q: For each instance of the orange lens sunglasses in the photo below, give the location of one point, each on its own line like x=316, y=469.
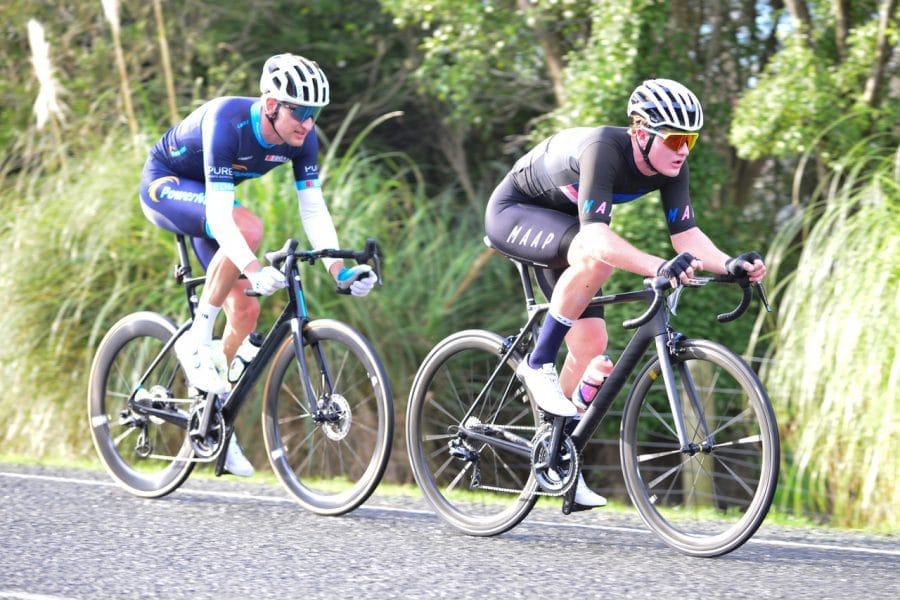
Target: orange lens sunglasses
x=674, y=140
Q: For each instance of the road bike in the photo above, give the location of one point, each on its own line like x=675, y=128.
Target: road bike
x=698, y=441
x=327, y=412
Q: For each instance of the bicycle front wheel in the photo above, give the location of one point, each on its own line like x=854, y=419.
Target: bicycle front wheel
x=472, y=460
x=330, y=465
x=147, y=455
x=708, y=499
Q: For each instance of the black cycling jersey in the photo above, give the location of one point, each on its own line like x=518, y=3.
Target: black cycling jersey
x=570, y=179
x=591, y=169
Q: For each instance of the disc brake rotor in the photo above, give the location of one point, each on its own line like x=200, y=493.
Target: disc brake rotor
x=339, y=428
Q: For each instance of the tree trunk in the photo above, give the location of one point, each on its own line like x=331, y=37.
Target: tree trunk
x=553, y=54
x=802, y=19
x=883, y=50
x=451, y=143
x=842, y=26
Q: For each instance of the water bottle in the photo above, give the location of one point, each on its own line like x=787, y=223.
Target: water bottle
x=246, y=352
x=594, y=376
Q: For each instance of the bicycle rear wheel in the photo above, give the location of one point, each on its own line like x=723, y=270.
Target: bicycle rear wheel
x=329, y=467
x=709, y=500
x=479, y=487
x=146, y=455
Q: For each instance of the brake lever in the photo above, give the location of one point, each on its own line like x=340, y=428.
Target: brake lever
x=761, y=292
x=373, y=253
x=672, y=300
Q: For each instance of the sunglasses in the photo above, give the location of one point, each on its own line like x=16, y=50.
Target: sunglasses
x=302, y=113
x=674, y=140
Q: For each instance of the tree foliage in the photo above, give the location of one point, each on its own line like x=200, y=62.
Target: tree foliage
x=823, y=86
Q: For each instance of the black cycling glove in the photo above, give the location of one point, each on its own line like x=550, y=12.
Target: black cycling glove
x=733, y=265
x=675, y=267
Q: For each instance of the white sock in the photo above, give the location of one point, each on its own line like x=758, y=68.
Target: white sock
x=204, y=321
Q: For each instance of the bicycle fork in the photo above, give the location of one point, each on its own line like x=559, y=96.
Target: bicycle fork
x=667, y=346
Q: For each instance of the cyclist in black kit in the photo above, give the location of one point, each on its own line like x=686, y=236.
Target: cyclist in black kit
x=554, y=209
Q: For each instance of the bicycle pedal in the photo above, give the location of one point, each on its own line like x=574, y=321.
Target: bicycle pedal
x=579, y=507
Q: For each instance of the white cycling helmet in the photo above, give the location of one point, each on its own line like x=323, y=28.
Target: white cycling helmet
x=294, y=79
x=666, y=103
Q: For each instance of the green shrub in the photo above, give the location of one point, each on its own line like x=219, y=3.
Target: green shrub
x=835, y=379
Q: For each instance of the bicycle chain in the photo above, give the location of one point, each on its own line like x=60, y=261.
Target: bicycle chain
x=538, y=492
x=492, y=488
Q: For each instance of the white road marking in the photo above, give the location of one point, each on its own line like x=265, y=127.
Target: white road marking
x=408, y=511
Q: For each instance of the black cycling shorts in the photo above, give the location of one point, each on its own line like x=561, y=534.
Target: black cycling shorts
x=536, y=235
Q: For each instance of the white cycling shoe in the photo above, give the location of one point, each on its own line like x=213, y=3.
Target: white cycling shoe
x=585, y=496
x=235, y=461
x=199, y=363
x=543, y=384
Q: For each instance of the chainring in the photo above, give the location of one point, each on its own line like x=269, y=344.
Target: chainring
x=560, y=480
x=208, y=446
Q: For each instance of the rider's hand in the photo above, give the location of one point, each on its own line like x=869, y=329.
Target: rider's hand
x=359, y=279
x=748, y=263
x=267, y=281
x=680, y=268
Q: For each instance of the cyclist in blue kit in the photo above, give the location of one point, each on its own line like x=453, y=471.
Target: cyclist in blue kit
x=554, y=209
x=188, y=187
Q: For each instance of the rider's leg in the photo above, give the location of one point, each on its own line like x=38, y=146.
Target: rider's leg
x=242, y=312
x=571, y=295
x=222, y=278
x=221, y=274
x=195, y=350
x=586, y=340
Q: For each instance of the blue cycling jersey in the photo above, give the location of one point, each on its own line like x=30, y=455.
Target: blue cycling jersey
x=221, y=143
x=217, y=147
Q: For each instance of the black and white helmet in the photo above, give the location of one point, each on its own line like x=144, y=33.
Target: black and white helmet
x=294, y=79
x=666, y=103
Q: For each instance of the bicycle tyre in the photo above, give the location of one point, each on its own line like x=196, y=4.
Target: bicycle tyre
x=711, y=502
x=122, y=356
x=447, y=382
x=329, y=469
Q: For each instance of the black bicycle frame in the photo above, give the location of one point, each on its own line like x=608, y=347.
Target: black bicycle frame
x=656, y=329
x=294, y=316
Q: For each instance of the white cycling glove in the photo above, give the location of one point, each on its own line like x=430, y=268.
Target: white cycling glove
x=267, y=281
x=359, y=280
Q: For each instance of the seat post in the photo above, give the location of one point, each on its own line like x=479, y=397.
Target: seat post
x=183, y=268
x=524, y=269
x=527, y=287
x=184, y=274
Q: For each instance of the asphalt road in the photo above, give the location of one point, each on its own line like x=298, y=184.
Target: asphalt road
x=73, y=534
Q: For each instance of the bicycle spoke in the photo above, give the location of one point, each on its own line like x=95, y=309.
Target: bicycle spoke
x=339, y=453
x=451, y=390
x=710, y=501
x=161, y=462
x=121, y=437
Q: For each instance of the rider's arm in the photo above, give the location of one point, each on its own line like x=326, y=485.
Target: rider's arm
x=317, y=222
x=318, y=225
x=602, y=243
x=219, y=147
x=700, y=246
x=683, y=230
x=219, y=217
